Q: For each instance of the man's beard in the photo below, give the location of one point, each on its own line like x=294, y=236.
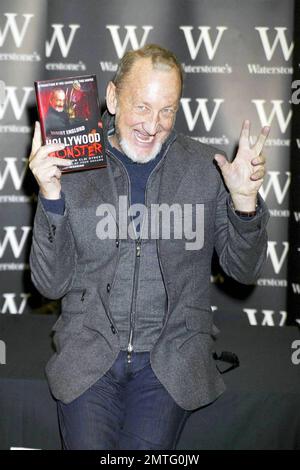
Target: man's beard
x=130, y=153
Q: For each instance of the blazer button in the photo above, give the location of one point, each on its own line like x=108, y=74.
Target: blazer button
x=108, y=287
x=117, y=243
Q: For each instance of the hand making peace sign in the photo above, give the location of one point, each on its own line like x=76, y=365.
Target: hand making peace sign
x=244, y=176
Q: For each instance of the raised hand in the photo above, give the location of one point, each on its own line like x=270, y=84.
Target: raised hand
x=44, y=168
x=244, y=176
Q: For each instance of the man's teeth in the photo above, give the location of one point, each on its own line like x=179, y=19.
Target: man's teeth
x=144, y=138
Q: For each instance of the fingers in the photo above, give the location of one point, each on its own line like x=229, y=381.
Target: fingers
x=258, y=175
x=55, y=172
x=221, y=160
x=244, y=141
x=46, y=174
x=37, y=146
x=259, y=166
x=261, y=140
x=260, y=160
x=42, y=164
x=44, y=151
x=41, y=152
x=52, y=161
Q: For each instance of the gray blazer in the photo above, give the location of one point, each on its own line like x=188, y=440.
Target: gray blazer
x=69, y=261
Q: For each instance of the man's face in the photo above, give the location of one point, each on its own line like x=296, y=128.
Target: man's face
x=58, y=100
x=145, y=110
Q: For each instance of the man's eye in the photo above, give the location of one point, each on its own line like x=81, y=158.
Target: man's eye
x=141, y=108
x=168, y=112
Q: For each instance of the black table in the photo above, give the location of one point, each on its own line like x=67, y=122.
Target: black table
x=259, y=410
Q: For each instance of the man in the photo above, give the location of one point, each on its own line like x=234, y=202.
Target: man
x=56, y=117
x=135, y=338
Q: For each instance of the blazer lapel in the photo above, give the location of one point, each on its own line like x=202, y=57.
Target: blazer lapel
x=174, y=168
x=103, y=180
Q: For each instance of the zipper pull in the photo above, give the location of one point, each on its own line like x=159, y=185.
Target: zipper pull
x=82, y=296
x=138, y=248
x=130, y=347
x=129, y=352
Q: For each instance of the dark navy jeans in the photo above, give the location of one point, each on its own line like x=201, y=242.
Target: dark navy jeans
x=127, y=408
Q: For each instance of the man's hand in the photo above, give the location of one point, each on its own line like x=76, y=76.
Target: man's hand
x=244, y=176
x=45, y=168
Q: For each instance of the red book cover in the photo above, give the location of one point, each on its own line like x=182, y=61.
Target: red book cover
x=69, y=113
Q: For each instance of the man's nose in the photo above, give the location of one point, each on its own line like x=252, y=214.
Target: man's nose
x=151, y=124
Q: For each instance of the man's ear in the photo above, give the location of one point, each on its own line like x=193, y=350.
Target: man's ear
x=111, y=98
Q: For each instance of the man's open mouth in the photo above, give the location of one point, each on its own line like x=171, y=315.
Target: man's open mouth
x=143, y=138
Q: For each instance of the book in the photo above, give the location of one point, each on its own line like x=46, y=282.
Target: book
x=69, y=113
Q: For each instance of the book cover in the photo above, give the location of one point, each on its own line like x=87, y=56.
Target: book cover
x=69, y=113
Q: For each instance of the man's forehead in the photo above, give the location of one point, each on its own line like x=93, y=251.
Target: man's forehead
x=145, y=76
x=143, y=67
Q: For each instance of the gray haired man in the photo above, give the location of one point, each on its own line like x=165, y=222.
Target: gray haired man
x=135, y=338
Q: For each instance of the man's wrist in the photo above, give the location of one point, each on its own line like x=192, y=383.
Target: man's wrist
x=50, y=196
x=244, y=204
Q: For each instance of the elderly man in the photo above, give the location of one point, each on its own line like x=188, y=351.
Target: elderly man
x=56, y=117
x=134, y=342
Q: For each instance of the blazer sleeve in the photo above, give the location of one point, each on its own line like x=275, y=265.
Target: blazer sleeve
x=241, y=244
x=53, y=255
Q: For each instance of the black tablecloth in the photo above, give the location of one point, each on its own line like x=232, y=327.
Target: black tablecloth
x=259, y=410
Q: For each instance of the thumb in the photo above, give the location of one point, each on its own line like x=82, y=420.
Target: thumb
x=221, y=160
x=37, y=138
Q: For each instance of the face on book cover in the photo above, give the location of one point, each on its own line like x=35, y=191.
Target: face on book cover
x=57, y=100
x=145, y=109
